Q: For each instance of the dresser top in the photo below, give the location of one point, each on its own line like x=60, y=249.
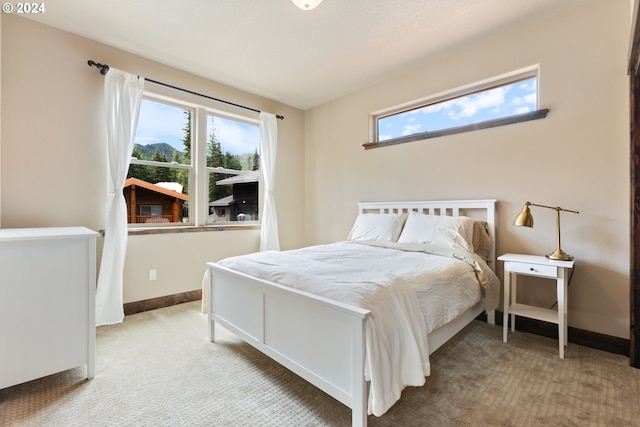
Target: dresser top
x=13, y=234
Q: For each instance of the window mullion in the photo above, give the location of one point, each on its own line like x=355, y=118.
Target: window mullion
x=201, y=210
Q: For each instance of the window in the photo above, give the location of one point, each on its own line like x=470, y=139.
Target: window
x=153, y=210
x=233, y=165
x=167, y=184
x=502, y=101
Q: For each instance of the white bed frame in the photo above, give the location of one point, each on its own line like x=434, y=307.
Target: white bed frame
x=319, y=339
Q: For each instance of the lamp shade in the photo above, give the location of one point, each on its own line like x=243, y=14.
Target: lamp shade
x=307, y=4
x=524, y=218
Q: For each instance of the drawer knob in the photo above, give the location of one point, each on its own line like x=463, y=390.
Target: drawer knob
x=532, y=269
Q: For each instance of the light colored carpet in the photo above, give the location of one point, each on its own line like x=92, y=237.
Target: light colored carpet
x=158, y=369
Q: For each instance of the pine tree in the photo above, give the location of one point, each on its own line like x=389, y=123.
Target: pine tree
x=180, y=176
x=256, y=161
x=215, y=158
x=138, y=171
x=232, y=162
x=160, y=174
x=186, y=141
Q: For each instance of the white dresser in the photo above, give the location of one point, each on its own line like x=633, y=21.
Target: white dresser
x=47, y=302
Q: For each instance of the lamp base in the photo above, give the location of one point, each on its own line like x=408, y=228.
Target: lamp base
x=559, y=255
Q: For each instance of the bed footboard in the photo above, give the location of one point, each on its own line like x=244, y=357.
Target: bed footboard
x=321, y=340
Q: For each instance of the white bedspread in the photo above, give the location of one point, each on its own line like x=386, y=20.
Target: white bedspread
x=392, y=284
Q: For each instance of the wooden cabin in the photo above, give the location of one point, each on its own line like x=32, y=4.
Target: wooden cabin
x=153, y=203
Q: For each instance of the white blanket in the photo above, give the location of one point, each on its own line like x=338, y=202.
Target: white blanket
x=367, y=276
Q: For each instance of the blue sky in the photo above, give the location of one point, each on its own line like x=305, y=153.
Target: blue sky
x=516, y=98
x=164, y=123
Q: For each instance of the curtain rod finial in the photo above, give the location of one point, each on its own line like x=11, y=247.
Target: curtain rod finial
x=103, y=67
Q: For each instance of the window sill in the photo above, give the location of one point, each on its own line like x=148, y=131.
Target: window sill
x=533, y=115
x=142, y=231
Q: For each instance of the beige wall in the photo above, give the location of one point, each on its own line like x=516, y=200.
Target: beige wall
x=576, y=158
x=0, y=122
x=53, y=167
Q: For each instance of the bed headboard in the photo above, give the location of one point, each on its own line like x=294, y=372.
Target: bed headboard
x=481, y=210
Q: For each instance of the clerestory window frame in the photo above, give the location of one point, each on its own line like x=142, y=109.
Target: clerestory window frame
x=504, y=80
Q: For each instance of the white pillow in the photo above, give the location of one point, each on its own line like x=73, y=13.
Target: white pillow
x=377, y=227
x=450, y=231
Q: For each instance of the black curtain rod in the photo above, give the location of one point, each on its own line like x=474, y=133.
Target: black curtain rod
x=104, y=68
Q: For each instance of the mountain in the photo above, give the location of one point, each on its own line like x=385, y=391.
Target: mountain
x=148, y=150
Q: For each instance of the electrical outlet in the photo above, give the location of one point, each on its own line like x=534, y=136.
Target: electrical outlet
x=152, y=274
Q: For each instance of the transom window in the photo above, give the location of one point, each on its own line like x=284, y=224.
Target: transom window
x=501, y=101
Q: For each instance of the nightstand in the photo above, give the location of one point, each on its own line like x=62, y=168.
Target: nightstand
x=538, y=266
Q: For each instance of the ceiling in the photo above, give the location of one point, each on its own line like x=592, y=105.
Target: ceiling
x=273, y=49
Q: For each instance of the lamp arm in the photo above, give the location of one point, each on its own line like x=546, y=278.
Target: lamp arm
x=558, y=228
x=555, y=208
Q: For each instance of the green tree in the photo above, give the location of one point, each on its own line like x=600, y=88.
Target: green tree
x=180, y=176
x=160, y=174
x=138, y=171
x=186, y=141
x=256, y=161
x=215, y=158
x=232, y=162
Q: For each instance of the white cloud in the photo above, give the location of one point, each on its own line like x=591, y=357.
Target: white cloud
x=522, y=110
x=468, y=106
x=530, y=85
x=410, y=130
x=236, y=137
x=435, y=108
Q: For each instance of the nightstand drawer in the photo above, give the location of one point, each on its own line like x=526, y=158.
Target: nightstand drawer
x=533, y=269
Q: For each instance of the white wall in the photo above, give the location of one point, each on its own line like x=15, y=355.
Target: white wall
x=576, y=158
x=53, y=167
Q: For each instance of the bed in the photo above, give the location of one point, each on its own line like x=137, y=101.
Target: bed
x=301, y=311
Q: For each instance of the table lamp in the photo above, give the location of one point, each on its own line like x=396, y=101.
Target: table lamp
x=525, y=219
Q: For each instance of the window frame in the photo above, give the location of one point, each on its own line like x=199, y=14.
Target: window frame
x=198, y=169
x=150, y=96
x=209, y=169
x=478, y=87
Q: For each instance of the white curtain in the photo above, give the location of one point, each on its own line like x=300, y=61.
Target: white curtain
x=123, y=94
x=268, y=149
